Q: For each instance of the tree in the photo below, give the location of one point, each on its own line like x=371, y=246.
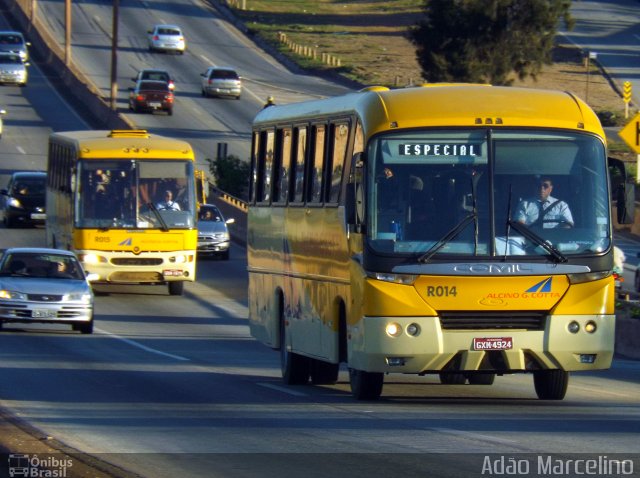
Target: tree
x=231, y=175
x=487, y=41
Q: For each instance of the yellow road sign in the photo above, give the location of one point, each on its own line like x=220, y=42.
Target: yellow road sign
x=626, y=92
x=631, y=133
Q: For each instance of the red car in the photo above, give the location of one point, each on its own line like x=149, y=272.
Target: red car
x=151, y=95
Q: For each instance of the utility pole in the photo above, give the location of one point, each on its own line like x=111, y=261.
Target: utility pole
x=114, y=56
x=67, y=32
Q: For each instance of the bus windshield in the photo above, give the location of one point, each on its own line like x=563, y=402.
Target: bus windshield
x=488, y=193
x=135, y=194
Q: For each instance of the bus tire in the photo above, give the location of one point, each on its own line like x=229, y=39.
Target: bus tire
x=324, y=373
x=366, y=385
x=550, y=384
x=295, y=367
x=479, y=378
x=452, y=378
x=176, y=288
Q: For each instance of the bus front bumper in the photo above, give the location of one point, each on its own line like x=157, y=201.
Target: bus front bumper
x=419, y=345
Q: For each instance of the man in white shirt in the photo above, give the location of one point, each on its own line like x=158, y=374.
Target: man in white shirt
x=544, y=210
x=168, y=204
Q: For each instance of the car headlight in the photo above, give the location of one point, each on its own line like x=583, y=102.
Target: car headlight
x=12, y=295
x=83, y=297
x=13, y=202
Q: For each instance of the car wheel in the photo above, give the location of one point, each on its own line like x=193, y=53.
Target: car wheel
x=84, y=328
x=225, y=255
x=637, y=281
x=9, y=222
x=170, y=111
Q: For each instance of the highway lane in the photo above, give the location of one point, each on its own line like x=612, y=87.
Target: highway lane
x=611, y=30
x=211, y=40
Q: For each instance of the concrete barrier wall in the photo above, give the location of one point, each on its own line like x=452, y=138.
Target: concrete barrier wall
x=79, y=88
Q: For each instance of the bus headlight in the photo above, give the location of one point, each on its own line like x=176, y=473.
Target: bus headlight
x=91, y=258
x=588, y=277
x=590, y=327
x=181, y=259
x=404, y=279
x=393, y=329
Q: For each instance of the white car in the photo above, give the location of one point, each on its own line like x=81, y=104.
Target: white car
x=167, y=38
x=45, y=285
x=221, y=81
x=12, y=69
x=14, y=42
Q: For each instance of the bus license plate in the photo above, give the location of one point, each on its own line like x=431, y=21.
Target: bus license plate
x=492, y=343
x=43, y=313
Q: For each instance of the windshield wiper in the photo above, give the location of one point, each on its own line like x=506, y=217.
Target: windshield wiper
x=163, y=225
x=535, y=238
x=447, y=237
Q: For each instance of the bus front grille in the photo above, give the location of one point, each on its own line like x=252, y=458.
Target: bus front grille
x=136, y=261
x=462, y=320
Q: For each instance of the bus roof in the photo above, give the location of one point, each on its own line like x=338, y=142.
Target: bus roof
x=102, y=144
x=435, y=105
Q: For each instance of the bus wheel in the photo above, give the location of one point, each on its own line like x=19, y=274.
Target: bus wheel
x=176, y=288
x=295, y=367
x=324, y=373
x=551, y=384
x=481, y=378
x=452, y=379
x=366, y=385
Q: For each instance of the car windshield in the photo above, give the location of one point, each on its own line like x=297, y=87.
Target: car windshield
x=224, y=75
x=41, y=265
x=29, y=187
x=10, y=40
x=155, y=75
x=168, y=31
x=153, y=86
x=209, y=214
x=480, y=193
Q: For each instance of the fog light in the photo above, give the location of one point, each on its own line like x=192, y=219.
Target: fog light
x=590, y=327
x=573, y=327
x=587, y=358
x=413, y=329
x=395, y=361
x=393, y=329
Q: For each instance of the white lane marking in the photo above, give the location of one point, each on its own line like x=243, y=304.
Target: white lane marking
x=474, y=436
x=21, y=150
x=600, y=391
x=133, y=343
x=278, y=388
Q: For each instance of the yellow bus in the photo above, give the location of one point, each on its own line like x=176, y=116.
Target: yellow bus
x=108, y=190
x=388, y=230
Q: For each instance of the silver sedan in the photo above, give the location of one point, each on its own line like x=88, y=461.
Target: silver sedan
x=45, y=285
